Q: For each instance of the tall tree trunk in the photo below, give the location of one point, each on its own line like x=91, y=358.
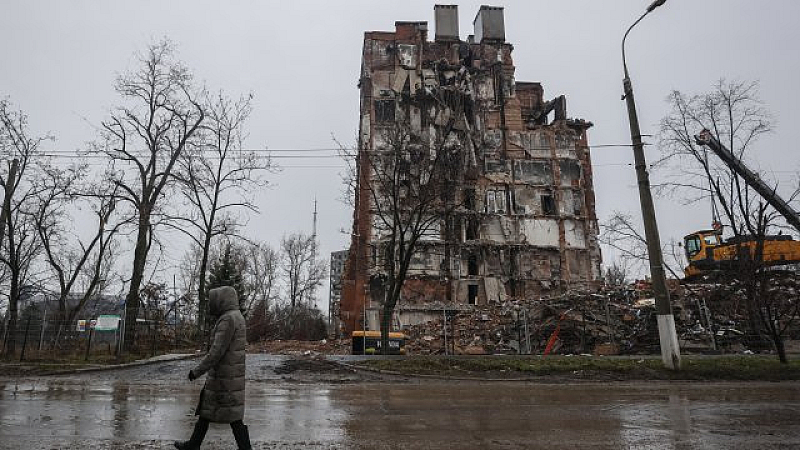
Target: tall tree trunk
x=63, y=320
x=202, y=299
x=752, y=318
x=780, y=348
x=132, y=299
x=386, y=327
x=13, y=313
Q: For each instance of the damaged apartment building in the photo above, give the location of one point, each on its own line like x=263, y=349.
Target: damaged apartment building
x=526, y=226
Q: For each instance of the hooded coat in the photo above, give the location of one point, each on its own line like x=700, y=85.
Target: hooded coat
x=222, y=399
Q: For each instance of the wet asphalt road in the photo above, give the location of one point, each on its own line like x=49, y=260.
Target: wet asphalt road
x=149, y=407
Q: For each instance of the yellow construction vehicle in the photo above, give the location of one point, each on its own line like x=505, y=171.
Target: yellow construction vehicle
x=706, y=251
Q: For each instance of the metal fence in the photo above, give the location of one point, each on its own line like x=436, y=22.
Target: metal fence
x=41, y=336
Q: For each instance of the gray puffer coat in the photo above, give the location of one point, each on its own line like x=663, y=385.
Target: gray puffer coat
x=222, y=399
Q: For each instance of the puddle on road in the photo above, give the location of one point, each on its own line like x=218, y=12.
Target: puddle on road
x=440, y=415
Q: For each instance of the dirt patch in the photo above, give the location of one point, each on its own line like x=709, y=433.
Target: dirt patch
x=304, y=348
x=312, y=365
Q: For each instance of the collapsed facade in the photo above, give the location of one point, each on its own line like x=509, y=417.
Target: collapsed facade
x=526, y=226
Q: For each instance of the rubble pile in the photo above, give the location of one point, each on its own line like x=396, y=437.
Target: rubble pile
x=709, y=317
x=586, y=322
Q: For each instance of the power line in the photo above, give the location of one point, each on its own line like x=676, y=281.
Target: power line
x=265, y=150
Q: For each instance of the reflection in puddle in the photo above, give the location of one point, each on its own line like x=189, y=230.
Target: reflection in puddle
x=441, y=415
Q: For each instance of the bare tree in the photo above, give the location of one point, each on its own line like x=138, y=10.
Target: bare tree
x=79, y=266
x=302, y=271
x=188, y=270
x=410, y=182
x=144, y=140
x=624, y=235
x=734, y=115
x=262, y=276
x=19, y=246
x=776, y=307
x=217, y=179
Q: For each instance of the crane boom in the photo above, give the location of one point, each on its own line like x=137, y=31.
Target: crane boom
x=751, y=178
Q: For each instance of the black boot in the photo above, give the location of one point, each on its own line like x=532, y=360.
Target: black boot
x=241, y=435
x=199, y=433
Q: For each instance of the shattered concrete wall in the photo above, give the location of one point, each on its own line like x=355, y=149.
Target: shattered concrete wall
x=527, y=224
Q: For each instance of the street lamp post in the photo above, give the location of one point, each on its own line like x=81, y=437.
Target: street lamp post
x=670, y=352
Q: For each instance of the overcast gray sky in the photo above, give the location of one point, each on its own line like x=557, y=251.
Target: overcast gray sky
x=301, y=59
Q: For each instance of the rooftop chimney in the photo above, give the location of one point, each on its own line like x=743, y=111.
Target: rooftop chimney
x=489, y=24
x=446, y=20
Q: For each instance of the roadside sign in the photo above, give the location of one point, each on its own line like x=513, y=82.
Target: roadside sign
x=107, y=323
x=81, y=325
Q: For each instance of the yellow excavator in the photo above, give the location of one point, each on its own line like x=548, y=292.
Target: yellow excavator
x=707, y=252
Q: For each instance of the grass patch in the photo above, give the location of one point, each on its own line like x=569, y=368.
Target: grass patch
x=592, y=368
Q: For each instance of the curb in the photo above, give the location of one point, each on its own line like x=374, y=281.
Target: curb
x=141, y=362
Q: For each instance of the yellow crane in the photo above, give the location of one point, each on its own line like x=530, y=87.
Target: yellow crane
x=707, y=252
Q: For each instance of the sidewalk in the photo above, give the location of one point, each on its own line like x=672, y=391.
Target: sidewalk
x=49, y=368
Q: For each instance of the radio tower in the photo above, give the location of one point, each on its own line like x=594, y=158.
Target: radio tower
x=314, y=233
x=314, y=242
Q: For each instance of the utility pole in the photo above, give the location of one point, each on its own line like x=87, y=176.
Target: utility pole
x=670, y=350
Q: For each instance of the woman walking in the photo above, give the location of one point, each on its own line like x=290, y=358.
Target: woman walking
x=222, y=398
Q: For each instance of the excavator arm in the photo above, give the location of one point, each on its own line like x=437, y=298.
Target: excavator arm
x=705, y=138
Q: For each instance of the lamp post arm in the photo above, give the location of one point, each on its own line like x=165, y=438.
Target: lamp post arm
x=624, y=62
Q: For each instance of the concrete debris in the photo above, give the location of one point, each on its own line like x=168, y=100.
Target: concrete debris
x=610, y=321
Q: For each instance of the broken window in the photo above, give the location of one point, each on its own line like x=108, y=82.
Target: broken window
x=374, y=251
x=533, y=171
x=577, y=202
x=536, y=144
x=472, y=294
x=548, y=205
x=570, y=172
x=496, y=167
x=407, y=54
x=384, y=111
x=565, y=145
x=472, y=266
x=525, y=200
x=472, y=229
x=501, y=201
x=496, y=201
x=469, y=199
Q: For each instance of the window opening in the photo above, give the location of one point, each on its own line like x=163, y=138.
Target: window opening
x=548, y=205
x=472, y=294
